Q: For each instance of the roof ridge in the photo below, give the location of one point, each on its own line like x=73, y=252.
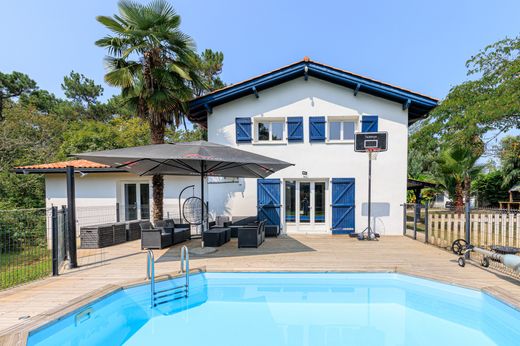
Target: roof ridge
x=307, y=59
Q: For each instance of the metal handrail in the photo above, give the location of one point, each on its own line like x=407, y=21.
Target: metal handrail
x=150, y=274
x=185, y=266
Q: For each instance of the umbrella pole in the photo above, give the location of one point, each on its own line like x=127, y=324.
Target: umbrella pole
x=203, y=203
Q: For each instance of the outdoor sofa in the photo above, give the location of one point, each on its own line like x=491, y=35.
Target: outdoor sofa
x=179, y=232
x=251, y=236
x=241, y=221
x=163, y=234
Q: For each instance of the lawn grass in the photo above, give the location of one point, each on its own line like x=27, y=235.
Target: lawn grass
x=26, y=265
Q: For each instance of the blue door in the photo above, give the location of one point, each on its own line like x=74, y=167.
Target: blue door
x=268, y=200
x=343, y=205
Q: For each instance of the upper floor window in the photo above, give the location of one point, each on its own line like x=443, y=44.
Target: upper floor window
x=270, y=130
x=341, y=130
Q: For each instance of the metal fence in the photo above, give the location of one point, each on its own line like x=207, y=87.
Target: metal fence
x=25, y=251
x=36, y=243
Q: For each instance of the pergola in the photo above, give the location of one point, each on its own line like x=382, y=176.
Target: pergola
x=417, y=186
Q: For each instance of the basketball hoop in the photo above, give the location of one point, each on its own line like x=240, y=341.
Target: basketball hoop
x=372, y=153
x=371, y=143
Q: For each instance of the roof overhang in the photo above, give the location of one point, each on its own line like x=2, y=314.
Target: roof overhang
x=418, y=105
x=414, y=184
x=64, y=170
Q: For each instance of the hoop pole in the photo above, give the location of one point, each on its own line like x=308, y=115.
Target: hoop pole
x=369, y=229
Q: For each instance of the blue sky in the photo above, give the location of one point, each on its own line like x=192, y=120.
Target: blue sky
x=420, y=45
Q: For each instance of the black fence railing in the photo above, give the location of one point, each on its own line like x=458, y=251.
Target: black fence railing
x=25, y=253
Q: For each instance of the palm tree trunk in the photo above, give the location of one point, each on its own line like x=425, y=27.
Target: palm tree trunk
x=459, y=200
x=157, y=134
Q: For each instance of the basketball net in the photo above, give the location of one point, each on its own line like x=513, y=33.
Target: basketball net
x=372, y=153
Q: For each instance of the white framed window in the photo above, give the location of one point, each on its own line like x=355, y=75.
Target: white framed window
x=270, y=130
x=341, y=129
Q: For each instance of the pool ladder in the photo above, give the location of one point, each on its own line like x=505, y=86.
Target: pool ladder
x=168, y=294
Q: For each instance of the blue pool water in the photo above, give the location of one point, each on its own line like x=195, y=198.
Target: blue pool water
x=278, y=309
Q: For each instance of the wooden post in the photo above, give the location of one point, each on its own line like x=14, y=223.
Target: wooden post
x=426, y=223
x=404, y=219
x=468, y=225
x=415, y=219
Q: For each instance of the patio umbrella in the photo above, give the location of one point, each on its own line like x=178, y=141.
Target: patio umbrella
x=199, y=158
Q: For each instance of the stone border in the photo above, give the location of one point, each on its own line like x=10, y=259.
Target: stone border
x=18, y=334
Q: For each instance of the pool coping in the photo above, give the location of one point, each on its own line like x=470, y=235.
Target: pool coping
x=18, y=334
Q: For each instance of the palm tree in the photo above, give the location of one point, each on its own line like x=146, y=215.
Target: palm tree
x=456, y=169
x=154, y=64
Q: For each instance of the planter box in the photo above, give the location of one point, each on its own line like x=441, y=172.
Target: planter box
x=99, y=236
x=119, y=233
x=133, y=230
x=96, y=236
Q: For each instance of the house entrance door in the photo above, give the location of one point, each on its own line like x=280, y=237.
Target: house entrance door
x=305, y=205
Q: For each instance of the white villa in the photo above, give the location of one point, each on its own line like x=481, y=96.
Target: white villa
x=305, y=113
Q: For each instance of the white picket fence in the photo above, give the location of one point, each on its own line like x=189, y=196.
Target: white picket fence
x=487, y=228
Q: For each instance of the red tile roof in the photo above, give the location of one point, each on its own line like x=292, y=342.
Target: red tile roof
x=64, y=164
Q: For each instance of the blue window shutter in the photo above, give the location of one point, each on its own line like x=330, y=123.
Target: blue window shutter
x=369, y=123
x=268, y=199
x=295, y=129
x=243, y=129
x=317, y=129
x=343, y=205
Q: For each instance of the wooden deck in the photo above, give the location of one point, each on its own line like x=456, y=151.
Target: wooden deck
x=126, y=262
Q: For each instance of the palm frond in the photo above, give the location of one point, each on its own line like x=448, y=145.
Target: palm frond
x=111, y=24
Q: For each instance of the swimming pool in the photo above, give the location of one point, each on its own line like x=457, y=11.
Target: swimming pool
x=292, y=309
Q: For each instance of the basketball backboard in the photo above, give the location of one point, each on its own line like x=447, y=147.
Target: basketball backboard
x=368, y=141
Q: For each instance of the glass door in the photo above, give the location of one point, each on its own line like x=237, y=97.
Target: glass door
x=136, y=201
x=305, y=205
x=290, y=201
x=319, y=202
x=305, y=202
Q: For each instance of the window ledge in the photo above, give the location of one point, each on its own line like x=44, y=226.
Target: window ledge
x=270, y=142
x=340, y=141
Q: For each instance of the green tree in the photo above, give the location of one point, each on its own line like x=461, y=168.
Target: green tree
x=455, y=171
x=84, y=94
x=81, y=89
x=489, y=188
x=14, y=85
x=209, y=65
x=91, y=135
x=488, y=102
x=26, y=137
x=154, y=63
x=510, y=160
x=44, y=101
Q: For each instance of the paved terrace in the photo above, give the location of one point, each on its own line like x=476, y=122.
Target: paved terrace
x=126, y=262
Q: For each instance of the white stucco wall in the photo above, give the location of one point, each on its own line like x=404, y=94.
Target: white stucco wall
x=98, y=193
x=321, y=160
